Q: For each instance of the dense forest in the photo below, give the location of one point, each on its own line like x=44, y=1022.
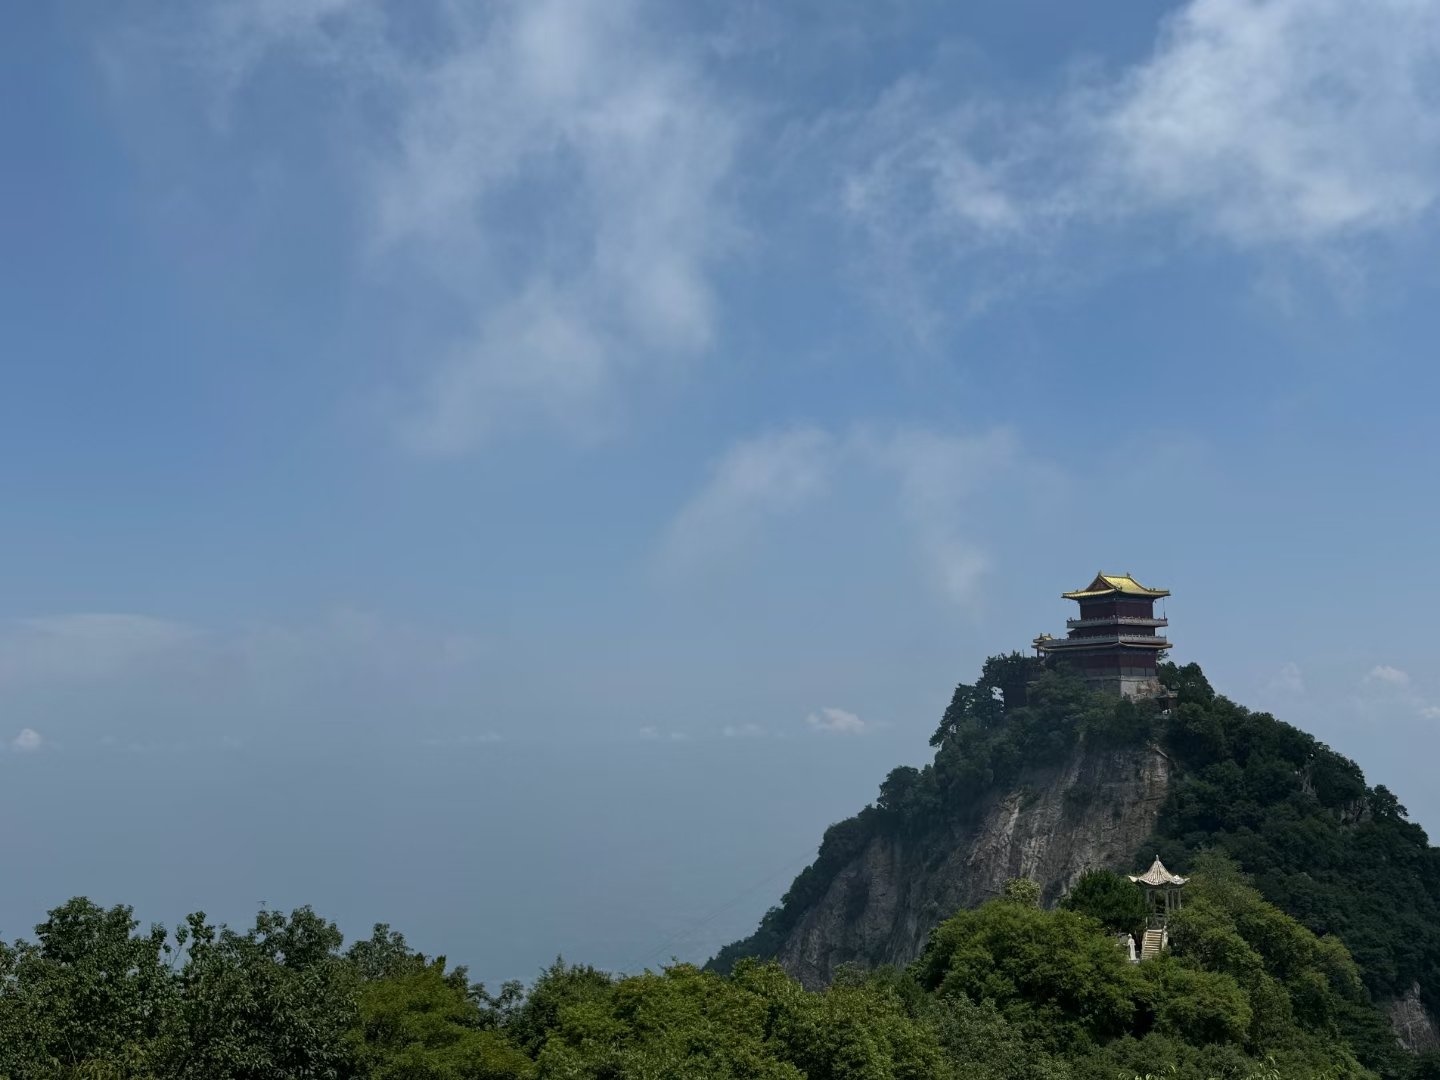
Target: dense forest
x=1312, y=899
x=1006, y=990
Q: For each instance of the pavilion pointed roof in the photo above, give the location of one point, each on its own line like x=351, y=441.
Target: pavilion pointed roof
x=1111, y=584
x=1158, y=875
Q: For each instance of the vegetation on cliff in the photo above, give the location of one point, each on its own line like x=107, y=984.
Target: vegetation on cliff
x=1292, y=814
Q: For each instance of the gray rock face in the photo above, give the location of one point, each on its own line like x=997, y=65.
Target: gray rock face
x=1056, y=823
x=1413, y=1024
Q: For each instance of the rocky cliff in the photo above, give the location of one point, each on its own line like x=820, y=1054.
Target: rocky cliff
x=1095, y=809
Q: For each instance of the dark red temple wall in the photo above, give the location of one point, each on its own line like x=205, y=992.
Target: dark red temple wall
x=1109, y=609
x=1115, y=662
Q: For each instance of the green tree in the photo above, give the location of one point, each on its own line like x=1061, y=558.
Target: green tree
x=89, y=997
x=559, y=987
x=1055, y=974
x=678, y=1023
x=274, y=1003
x=421, y=1023
x=858, y=1029
x=1109, y=898
x=1010, y=675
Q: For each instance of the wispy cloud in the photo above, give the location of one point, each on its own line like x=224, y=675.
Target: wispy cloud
x=88, y=646
x=1295, y=126
x=629, y=145
x=936, y=474
x=564, y=173
x=755, y=480
x=556, y=168
x=833, y=721
x=1386, y=675
x=743, y=731
x=27, y=742
x=131, y=676
x=1284, y=121
x=1389, y=692
x=932, y=477
x=1289, y=681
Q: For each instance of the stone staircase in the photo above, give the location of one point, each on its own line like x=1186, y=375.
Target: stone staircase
x=1152, y=944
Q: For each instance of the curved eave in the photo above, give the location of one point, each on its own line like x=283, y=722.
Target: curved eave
x=1144, y=594
x=1157, y=875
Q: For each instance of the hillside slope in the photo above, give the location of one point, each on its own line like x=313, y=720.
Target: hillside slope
x=1036, y=776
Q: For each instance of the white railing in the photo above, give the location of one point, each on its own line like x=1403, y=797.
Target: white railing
x=1107, y=639
x=1129, y=620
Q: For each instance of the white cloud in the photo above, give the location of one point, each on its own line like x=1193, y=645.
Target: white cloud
x=933, y=477
x=743, y=731
x=1386, y=675
x=832, y=721
x=1297, y=126
x=87, y=646
x=936, y=474
x=1289, y=681
x=558, y=168
x=1288, y=121
x=28, y=741
x=577, y=97
x=1388, y=694
x=755, y=480
x=564, y=172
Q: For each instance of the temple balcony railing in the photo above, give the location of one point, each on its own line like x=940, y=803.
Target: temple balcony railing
x=1107, y=639
x=1123, y=620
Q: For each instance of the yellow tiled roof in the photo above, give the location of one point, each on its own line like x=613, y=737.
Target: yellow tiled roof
x=1106, y=584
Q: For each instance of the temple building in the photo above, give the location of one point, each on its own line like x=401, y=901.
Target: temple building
x=1115, y=643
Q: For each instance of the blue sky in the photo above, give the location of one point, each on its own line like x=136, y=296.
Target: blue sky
x=521, y=470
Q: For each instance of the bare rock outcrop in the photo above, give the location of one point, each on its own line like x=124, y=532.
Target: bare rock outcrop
x=1094, y=810
x=1413, y=1024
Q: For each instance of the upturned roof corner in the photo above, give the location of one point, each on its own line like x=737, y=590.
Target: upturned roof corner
x=1158, y=875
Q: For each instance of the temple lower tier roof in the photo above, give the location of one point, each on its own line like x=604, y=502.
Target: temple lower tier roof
x=1049, y=644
